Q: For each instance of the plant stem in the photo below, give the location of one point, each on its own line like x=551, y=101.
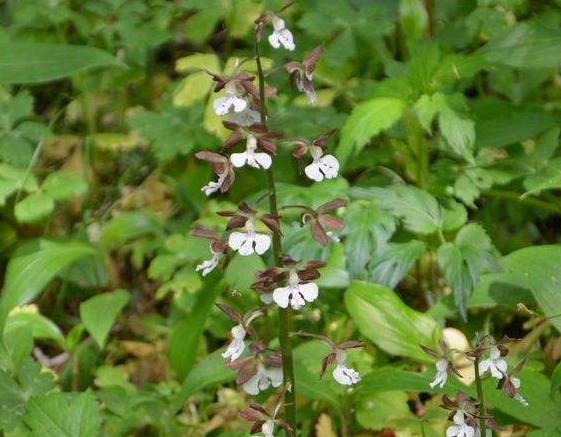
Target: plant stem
x=482, y=410
x=509, y=195
x=284, y=313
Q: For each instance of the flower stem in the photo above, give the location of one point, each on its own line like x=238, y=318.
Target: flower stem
x=284, y=313
x=480, y=400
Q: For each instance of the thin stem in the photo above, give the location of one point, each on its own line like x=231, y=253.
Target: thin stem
x=503, y=194
x=482, y=410
x=346, y=416
x=284, y=313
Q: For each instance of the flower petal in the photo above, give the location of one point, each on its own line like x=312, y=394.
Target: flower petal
x=238, y=159
x=264, y=160
x=262, y=243
x=236, y=239
x=252, y=385
x=313, y=172
x=309, y=291
x=281, y=296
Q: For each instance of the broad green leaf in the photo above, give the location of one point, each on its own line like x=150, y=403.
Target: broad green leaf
x=127, y=226
x=100, y=312
x=63, y=415
x=193, y=88
x=538, y=268
x=381, y=410
x=367, y=120
x=464, y=260
x=395, y=260
x=382, y=317
x=34, y=207
x=419, y=211
x=61, y=185
x=499, y=123
x=33, y=62
x=198, y=62
x=208, y=372
x=185, y=336
x=34, y=265
x=526, y=45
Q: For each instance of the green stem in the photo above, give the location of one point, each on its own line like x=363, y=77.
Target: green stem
x=284, y=313
x=509, y=195
x=482, y=410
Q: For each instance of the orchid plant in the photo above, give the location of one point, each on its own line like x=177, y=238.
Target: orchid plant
x=288, y=284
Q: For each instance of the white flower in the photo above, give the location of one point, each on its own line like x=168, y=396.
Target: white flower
x=460, y=429
x=230, y=102
x=441, y=374
x=245, y=118
x=212, y=187
x=295, y=293
x=267, y=428
x=263, y=379
x=333, y=236
x=308, y=90
x=209, y=265
x=250, y=157
x=322, y=166
x=516, y=383
x=281, y=35
x=237, y=346
x=495, y=364
x=249, y=241
x=342, y=374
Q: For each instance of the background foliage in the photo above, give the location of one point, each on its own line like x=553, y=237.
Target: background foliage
x=449, y=123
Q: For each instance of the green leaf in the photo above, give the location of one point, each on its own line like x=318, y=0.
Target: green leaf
x=32, y=62
x=34, y=207
x=63, y=415
x=208, y=372
x=100, y=312
x=538, y=268
x=463, y=261
x=545, y=178
x=185, y=336
x=127, y=226
x=555, y=382
x=526, y=45
x=61, y=185
x=35, y=264
x=381, y=316
x=40, y=326
x=419, y=211
x=458, y=131
x=395, y=260
x=368, y=230
x=167, y=131
x=367, y=120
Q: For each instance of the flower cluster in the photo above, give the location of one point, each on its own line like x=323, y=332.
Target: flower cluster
x=289, y=284
x=489, y=357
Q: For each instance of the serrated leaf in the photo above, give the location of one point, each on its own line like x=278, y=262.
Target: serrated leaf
x=368, y=229
x=419, y=210
x=464, y=260
x=395, y=260
x=63, y=415
x=367, y=120
x=382, y=317
x=100, y=312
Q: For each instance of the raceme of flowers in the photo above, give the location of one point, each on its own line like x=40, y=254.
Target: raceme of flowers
x=248, y=230
x=489, y=357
